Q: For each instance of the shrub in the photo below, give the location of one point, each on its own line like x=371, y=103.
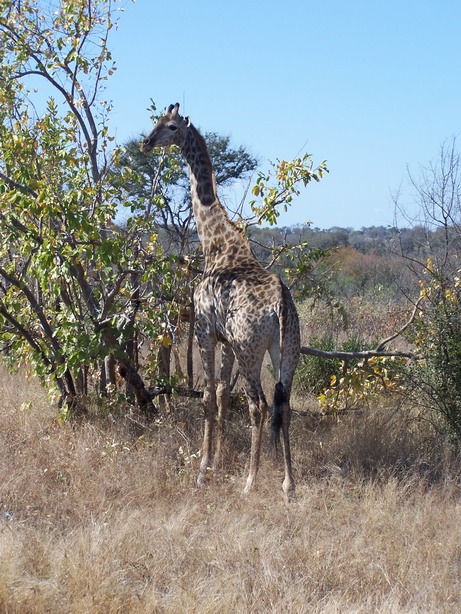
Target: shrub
x=436, y=377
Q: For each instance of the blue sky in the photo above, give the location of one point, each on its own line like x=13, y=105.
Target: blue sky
x=370, y=86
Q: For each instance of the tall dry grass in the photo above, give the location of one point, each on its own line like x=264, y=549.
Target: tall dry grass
x=103, y=517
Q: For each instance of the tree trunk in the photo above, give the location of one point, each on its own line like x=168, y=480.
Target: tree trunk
x=132, y=377
x=164, y=371
x=109, y=370
x=130, y=374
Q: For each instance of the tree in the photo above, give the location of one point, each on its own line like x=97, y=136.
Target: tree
x=68, y=294
x=436, y=377
x=78, y=292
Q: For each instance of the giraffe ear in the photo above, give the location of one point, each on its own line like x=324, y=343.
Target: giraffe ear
x=187, y=120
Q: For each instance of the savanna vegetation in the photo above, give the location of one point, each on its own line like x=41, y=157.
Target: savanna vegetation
x=100, y=418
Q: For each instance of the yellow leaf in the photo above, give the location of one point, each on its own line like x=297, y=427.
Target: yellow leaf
x=166, y=341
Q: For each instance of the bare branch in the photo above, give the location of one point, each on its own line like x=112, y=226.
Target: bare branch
x=351, y=355
x=382, y=344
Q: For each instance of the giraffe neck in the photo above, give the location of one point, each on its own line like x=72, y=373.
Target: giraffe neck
x=223, y=244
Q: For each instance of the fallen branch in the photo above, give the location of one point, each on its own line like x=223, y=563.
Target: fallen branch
x=184, y=391
x=377, y=352
x=181, y=391
x=326, y=413
x=329, y=355
x=350, y=355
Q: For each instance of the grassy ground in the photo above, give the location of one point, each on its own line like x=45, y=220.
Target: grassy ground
x=103, y=517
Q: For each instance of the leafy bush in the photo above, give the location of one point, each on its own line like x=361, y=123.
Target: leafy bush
x=436, y=378
x=314, y=373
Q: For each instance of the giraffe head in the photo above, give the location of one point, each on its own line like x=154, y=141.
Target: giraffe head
x=170, y=130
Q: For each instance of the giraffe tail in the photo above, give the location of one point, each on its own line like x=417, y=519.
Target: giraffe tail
x=280, y=398
x=280, y=394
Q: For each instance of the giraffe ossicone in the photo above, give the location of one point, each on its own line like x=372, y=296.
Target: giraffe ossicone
x=238, y=304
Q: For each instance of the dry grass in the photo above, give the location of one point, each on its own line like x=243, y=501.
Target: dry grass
x=103, y=517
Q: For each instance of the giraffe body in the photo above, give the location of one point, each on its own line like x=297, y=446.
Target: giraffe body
x=238, y=304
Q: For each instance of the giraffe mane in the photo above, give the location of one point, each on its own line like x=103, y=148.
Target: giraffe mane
x=204, y=148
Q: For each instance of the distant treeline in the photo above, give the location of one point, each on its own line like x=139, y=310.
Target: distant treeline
x=380, y=240
x=368, y=261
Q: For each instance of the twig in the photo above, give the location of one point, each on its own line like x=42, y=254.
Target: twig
x=384, y=342
x=154, y=186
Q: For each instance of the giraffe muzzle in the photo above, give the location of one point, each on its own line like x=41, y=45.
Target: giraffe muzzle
x=146, y=145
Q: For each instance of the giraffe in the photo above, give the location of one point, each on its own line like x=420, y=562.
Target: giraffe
x=239, y=304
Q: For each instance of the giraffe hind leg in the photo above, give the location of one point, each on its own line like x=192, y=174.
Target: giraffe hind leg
x=223, y=398
x=288, y=485
x=258, y=409
x=281, y=416
x=207, y=350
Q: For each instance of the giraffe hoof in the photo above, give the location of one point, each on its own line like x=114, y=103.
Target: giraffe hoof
x=204, y=477
x=289, y=492
x=248, y=488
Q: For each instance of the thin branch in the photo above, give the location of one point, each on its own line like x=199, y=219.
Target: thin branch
x=18, y=186
x=27, y=335
x=46, y=327
x=69, y=99
x=110, y=298
x=382, y=344
x=154, y=187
